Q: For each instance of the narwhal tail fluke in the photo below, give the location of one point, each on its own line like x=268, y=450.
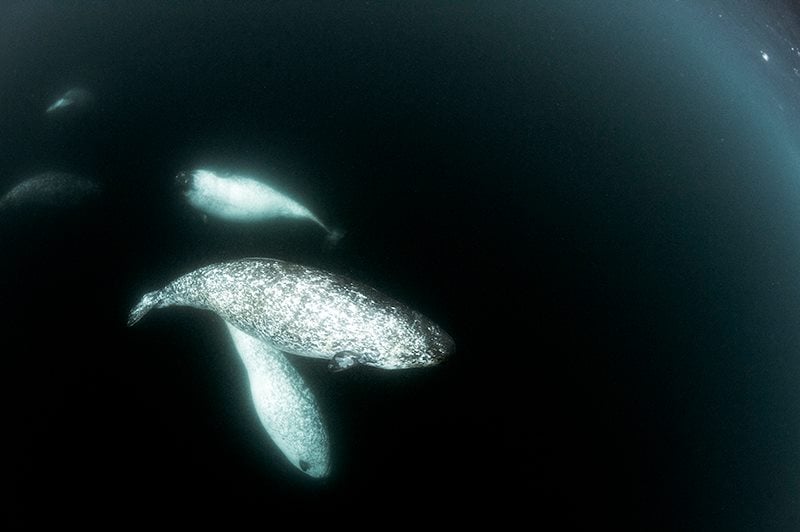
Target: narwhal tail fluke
x=333, y=237
x=149, y=301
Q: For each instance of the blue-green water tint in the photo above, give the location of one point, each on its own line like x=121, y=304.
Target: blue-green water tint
x=599, y=201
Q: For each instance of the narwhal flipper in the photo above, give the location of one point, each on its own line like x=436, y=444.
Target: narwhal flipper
x=345, y=360
x=285, y=405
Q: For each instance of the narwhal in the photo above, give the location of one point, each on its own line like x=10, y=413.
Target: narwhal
x=73, y=98
x=285, y=405
x=54, y=189
x=308, y=312
x=244, y=199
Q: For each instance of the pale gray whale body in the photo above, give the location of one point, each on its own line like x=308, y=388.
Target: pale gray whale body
x=50, y=189
x=71, y=99
x=244, y=199
x=308, y=312
x=284, y=404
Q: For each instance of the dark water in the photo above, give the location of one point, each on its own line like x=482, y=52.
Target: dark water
x=598, y=202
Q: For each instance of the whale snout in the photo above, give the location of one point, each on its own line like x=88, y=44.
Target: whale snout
x=438, y=345
x=435, y=344
x=441, y=345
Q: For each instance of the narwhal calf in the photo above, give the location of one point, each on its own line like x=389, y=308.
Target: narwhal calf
x=244, y=199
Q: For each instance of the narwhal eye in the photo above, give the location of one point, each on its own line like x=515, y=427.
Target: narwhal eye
x=305, y=466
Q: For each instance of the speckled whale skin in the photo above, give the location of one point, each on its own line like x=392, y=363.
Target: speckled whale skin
x=308, y=312
x=285, y=405
x=50, y=189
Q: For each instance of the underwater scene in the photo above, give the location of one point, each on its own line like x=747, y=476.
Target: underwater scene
x=351, y=263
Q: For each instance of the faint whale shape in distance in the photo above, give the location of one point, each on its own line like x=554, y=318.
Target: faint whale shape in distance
x=244, y=199
x=285, y=405
x=308, y=312
x=53, y=189
x=72, y=99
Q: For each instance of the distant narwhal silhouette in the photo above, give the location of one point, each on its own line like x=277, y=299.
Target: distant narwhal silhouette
x=50, y=189
x=72, y=99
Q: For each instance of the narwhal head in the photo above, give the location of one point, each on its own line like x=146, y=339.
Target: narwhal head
x=202, y=187
x=183, y=180
x=427, y=345
x=436, y=344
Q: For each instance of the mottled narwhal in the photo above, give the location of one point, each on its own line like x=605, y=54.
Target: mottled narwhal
x=308, y=312
x=244, y=199
x=52, y=189
x=72, y=99
x=284, y=404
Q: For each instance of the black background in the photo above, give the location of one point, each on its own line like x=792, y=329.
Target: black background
x=546, y=183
